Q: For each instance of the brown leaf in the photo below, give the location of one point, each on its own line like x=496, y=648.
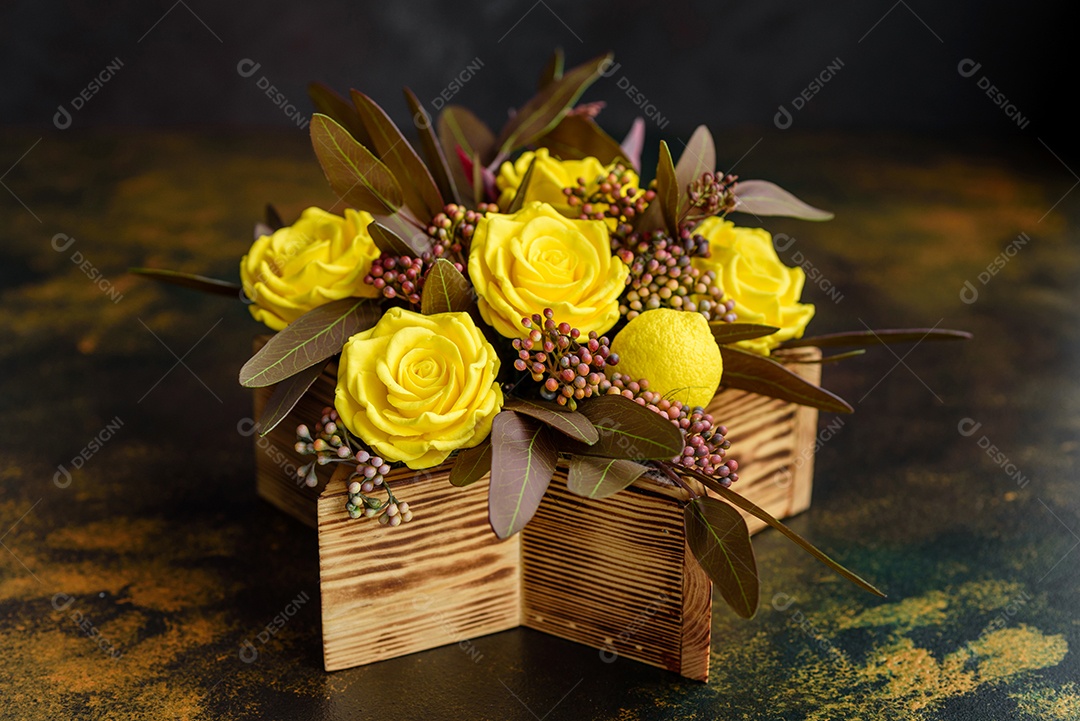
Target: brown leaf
x=735, y=332
x=627, y=430
x=445, y=290
x=522, y=465
x=360, y=179
x=190, y=280
x=328, y=102
x=569, y=423
x=601, y=477
x=577, y=137
x=698, y=157
x=471, y=464
x=879, y=337
x=285, y=397
x=421, y=194
x=720, y=541
x=311, y=338
x=758, y=374
x=547, y=107
x=429, y=143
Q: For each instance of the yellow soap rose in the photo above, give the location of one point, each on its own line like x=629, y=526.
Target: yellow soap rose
x=750, y=272
x=536, y=259
x=549, y=177
x=320, y=258
x=417, y=387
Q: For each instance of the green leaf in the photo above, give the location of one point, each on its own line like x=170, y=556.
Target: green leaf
x=429, y=143
x=522, y=465
x=627, y=430
x=764, y=376
x=546, y=108
x=569, y=423
x=879, y=337
x=668, y=193
x=735, y=332
x=523, y=187
x=398, y=234
x=577, y=137
x=190, y=280
x=740, y=502
x=698, y=158
x=720, y=541
x=360, y=179
x=420, y=193
x=760, y=197
x=285, y=397
x=553, y=70
x=445, y=290
x=601, y=477
x=328, y=102
x=471, y=464
x=311, y=338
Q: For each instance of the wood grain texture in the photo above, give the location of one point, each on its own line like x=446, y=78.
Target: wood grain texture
x=443, y=578
x=614, y=574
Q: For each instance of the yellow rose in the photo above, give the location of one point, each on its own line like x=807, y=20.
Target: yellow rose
x=536, y=259
x=750, y=272
x=320, y=258
x=549, y=178
x=417, y=387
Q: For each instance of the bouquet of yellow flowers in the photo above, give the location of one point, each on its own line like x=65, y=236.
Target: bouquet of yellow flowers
x=517, y=302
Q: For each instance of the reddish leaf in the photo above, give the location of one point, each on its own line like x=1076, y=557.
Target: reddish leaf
x=698, y=157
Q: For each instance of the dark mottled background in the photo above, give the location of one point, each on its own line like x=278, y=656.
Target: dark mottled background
x=158, y=543
x=726, y=63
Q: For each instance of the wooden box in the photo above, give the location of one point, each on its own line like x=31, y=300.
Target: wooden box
x=614, y=574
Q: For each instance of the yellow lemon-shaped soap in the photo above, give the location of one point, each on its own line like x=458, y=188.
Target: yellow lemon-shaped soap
x=675, y=351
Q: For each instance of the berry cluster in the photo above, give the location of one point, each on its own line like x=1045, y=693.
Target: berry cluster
x=553, y=351
x=662, y=275
x=331, y=443
x=402, y=276
x=614, y=195
x=711, y=194
x=706, y=447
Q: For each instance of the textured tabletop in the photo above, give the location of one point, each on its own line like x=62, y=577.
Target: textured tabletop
x=138, y=569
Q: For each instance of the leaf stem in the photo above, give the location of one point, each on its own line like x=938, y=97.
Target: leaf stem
x=668, y=471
